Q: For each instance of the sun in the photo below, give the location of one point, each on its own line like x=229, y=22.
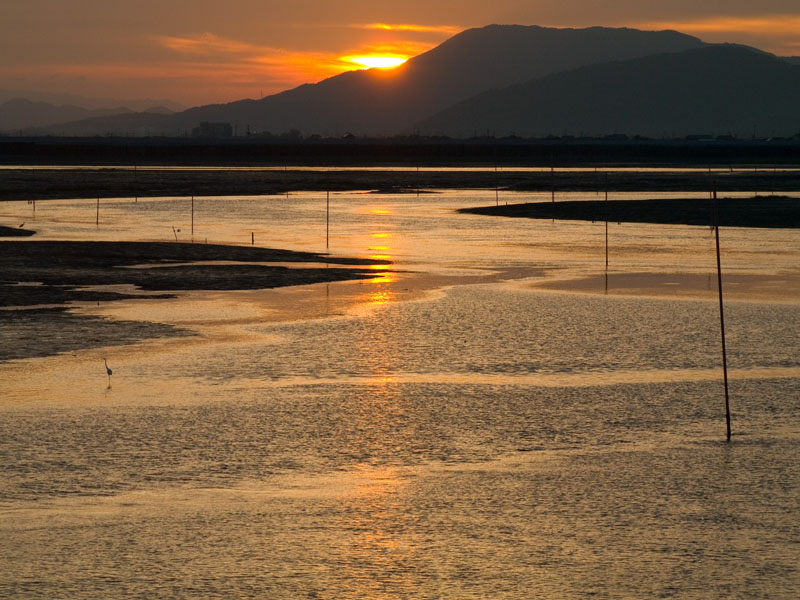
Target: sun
x=379, y=62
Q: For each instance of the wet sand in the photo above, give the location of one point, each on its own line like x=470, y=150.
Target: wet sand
x=783, y=287
x=40, y=278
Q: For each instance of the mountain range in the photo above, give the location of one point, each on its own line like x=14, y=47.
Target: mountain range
x=517, y=80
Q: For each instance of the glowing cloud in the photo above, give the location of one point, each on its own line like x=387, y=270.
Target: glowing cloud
x=777, y=33
x=209, y=43
x=379, y=62
x=442, y=29
x=767, y=24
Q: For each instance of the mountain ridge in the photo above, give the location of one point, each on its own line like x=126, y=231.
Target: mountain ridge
x=381, y=102
x=717, y=89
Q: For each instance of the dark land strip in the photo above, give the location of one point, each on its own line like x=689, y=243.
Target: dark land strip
x=761, y=211
x=410, y=151
x=114, y=182
x=36, y=273
x=58, y=268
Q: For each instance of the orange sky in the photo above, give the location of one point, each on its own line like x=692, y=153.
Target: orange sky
x=205, y=51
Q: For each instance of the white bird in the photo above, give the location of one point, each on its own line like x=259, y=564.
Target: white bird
x=108, y=371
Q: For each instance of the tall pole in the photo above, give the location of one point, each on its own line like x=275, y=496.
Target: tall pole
x=327, y=218
x=192, y=216
x=496, y=193
x=722, y=321
x=97, y=217
x=606, y=206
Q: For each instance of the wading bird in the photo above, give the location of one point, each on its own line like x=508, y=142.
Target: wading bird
x=108, y=371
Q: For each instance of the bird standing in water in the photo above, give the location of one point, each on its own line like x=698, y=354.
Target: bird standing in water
x=108, y=371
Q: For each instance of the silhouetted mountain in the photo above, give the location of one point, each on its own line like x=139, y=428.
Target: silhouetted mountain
x=709, y=90
x=159, y=110
x=136, y=124
x=20, y=113
x=87, y=101
x=379, y=101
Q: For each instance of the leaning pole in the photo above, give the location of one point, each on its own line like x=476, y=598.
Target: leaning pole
x=722, y=321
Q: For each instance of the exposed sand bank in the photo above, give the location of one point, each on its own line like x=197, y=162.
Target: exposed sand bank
x=45, y=276
x=760, y=211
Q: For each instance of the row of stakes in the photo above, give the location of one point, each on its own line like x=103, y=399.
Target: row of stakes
x=715, y=226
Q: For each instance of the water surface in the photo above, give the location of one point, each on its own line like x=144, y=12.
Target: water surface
x=446, y=430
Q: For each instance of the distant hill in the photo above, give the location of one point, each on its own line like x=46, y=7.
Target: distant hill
x=378, y=101
x=710, y=90
x=21, y=114
x=89, y=102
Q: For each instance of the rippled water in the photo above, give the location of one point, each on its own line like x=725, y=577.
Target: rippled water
x=447, y=430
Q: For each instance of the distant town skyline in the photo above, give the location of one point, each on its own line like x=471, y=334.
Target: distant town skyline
x=205, y=51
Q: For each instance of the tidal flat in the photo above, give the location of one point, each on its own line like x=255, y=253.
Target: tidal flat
x=490, y=413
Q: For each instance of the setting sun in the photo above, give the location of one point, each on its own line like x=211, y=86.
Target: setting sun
x=380, y=62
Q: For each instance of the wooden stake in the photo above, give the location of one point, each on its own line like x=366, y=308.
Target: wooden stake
x=606, y=206
x=97, y=217
x=722, y=322
x=496, y=193
x=327, y=218
x=192, y=216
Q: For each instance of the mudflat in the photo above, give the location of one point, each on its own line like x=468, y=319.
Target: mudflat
x=758, y=211
x=40, y=279
x=54, y=272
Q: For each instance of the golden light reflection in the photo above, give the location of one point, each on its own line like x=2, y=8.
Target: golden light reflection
x=380, y=235
x=383, y=278
x=378, y=298
x=378, y=248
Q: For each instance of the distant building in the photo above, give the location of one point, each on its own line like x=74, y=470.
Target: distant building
x=213, y=130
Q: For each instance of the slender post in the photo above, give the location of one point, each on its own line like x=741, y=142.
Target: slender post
x=327, y=218
x=606, y=207
x=722, y=321
x=606, y=231
x=193, y=216
x=496, y=193
x=97, y=217
x=553, y=192
x=252, y=238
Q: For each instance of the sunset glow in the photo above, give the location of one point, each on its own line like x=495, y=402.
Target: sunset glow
x=379, y=62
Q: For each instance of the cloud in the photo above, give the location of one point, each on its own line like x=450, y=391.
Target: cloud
x=210, y=44
x=290, y=67
x=777, y=33
x=779, y=25
x=441, y=29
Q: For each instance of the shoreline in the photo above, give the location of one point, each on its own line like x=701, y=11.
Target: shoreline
x=18, y=184
x=39, y=280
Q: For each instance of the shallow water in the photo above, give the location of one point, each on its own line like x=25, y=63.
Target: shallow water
x=446, y=430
